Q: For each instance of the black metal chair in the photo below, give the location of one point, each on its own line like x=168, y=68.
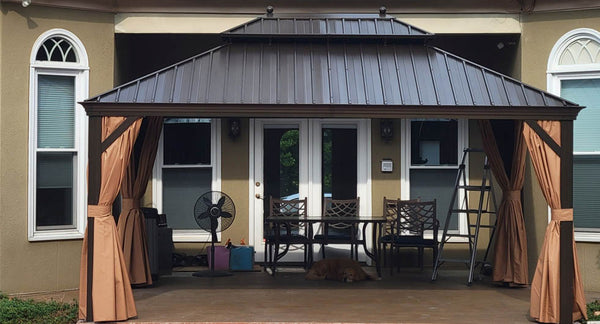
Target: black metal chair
x=290, y=233
x=390, y=212
x=339, y=232
x=414, y=219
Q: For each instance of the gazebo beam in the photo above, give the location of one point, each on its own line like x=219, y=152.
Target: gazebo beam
x=94, y=183
x=328, y=111
x=566, y=227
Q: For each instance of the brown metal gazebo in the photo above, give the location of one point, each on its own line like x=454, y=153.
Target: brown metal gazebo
x=342, y=66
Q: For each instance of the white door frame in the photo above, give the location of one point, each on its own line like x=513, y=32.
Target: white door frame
x=310, y=169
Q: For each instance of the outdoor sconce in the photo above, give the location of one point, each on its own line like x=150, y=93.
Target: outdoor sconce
x=234, y=127
x=387, y=129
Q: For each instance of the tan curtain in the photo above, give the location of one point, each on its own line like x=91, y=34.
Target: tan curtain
x=112, y=297
x=132, y=226
x=510, y=249
x=545, y=288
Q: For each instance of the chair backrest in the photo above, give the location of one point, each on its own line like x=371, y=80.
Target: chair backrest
x=341, y=208
x=416, y=217
x=288, y=208
x=293, y=207
x=390, y=212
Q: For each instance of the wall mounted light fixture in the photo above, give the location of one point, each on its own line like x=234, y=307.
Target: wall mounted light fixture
x=387, y=129
x=25, y=3
x=234, y=127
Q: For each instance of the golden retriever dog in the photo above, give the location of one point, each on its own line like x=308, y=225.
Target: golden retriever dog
x=340, y=269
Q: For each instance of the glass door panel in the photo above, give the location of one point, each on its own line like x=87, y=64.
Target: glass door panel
x=281, y=164
x=339, y=163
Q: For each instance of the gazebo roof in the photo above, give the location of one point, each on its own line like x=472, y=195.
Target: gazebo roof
x=276, y=67
x=327, y=26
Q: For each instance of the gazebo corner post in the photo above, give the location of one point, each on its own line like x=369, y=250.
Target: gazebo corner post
x=567, y=275
x=94, y=183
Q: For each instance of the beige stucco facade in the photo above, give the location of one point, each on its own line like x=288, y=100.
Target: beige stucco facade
x=37, y=266
x=54, y=265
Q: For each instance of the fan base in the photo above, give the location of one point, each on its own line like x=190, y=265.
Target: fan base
x=208, y=273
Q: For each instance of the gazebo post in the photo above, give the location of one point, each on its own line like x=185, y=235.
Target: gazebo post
x=94, y=183
x=566, y=227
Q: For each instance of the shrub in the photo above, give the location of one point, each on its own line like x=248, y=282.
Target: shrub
x=17, y=311
x=591, y=309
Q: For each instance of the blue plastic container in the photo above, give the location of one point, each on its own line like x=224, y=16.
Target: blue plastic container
x=241, y=258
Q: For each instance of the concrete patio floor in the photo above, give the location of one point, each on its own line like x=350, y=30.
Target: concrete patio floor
x=406, y=297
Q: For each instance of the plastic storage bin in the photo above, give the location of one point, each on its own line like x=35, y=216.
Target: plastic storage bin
x=241, y=258
x=221, y=258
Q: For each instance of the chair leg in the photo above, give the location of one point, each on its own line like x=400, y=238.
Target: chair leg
x=421, y=258
x=323, y=250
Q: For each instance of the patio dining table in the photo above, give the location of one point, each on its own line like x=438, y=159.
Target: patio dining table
x=280, y=223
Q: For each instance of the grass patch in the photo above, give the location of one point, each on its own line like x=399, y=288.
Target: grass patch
x=17, y=311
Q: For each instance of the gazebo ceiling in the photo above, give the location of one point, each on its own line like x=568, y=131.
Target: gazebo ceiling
x=329, y=66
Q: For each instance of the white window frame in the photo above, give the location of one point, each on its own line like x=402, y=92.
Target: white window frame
x=406, y=167
x=80, y=71
x=189, y=235
x=556, y=73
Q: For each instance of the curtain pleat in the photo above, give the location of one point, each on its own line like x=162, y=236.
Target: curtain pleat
x=510, y=248
x=112, y=297
x=132, y=224
x=545, y=287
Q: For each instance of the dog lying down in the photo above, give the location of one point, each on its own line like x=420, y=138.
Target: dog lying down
x=340, y=269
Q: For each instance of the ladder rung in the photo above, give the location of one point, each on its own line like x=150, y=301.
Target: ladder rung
x=483, y=226
x=475, y=188
x=459, y=235
x=455, y=260
x=472, y=211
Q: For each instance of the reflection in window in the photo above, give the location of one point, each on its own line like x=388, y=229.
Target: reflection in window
x=187, y=141
x=434, y=142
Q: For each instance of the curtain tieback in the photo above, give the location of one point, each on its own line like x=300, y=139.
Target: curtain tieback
x=512, y=195
x=130, y=203
x=562, y=214
x=99, y=211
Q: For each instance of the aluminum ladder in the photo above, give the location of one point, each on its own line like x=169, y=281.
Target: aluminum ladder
x=486, y=206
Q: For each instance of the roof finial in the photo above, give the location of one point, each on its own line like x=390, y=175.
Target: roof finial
x=382, y=10
x=269, y=10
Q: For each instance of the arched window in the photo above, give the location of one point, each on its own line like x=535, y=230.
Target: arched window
x=574, y=73
x=57, y=137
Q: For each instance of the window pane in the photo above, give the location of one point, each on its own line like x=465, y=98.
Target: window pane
x=586, y=131
x=187, y=141
x=54, y=189
x=429, y=184
x=339, y=158
x=434, y=142
x=586, y=177
x=181, y=189
x=56, y=111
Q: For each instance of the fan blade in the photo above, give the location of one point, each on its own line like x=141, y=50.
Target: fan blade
x=204, y=215
x=225, y=214
x=207, y=201
x=221, y=202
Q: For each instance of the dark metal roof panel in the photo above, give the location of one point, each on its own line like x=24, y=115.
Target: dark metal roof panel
x=324, y=25
x=318, y=73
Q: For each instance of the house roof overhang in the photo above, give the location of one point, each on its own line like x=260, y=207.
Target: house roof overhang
x=367, y=66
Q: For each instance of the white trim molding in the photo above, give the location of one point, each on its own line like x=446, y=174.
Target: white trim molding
x=589, y=69
x=79, y=70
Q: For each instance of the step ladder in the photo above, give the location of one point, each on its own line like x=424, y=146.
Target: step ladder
x=486, y=207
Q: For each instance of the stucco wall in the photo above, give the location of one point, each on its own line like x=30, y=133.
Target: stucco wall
x=37, y=266
x=540, y=33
